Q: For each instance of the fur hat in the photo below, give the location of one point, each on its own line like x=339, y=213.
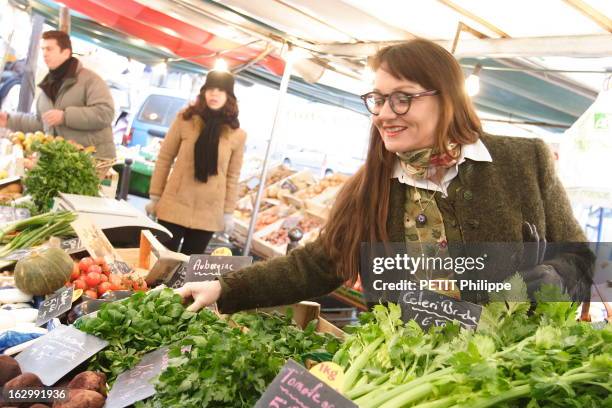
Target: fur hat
x=220, y=79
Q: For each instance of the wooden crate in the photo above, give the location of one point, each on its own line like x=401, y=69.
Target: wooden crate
x=299, y=199
x=320, y=204
x=304, y=313
x=268, y=250
x=241, y=222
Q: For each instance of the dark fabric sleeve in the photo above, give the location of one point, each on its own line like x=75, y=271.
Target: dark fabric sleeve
x=305, y=273
x=571, y=256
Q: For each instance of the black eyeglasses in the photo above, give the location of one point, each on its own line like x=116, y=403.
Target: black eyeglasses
x=398, y=100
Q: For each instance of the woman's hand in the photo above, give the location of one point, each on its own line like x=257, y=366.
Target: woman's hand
x=151, y=208
x=203, y=294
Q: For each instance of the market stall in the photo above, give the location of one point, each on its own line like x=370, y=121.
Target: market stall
x=86, y=299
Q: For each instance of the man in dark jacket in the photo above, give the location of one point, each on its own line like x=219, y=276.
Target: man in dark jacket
x=75, y=102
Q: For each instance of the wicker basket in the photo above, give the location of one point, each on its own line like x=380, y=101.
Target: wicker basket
x=103, y=166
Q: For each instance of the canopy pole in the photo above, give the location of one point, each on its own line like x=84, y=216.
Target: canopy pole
x=28, y=86
x=64, y=19
x=282, y=92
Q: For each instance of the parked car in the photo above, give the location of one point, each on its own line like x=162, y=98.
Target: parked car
x=320, y=163
x=154, y=117
x=300, y=158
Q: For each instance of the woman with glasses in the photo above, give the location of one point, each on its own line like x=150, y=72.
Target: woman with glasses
x=431, y=177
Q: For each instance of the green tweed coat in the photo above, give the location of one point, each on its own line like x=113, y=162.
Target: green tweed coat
x=519, y=185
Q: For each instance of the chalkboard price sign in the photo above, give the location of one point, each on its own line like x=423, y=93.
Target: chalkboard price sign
x=120, y=267
x=206, y=268
x=429, y=308
x=58, y=352
x=294, y=386
x=135, y=385
x=58, y=303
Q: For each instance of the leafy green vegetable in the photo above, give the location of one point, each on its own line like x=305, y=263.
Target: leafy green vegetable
x=136, y=326
x=226, y=366
x=61, y=168
x=230, y=367
x=36, y=230
x=519, y=356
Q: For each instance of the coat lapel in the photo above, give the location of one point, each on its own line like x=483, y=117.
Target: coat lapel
x=483, y=206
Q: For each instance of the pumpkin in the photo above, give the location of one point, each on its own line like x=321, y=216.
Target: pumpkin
x=42, y=273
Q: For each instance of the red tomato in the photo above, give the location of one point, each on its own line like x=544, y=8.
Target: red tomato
x=68, y=284
x=76, y=272
x=99, y=261
x=80, y=284
x=106, y=269
x=94, y=268
x=91, y=293
x=104, y=287
x=103, y=278
x=139, y=285
x=115, y=281
x=92, y=279
x=85, y=263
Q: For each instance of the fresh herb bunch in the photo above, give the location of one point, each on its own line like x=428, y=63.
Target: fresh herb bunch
x=136, y=326
x=231, y=367
x=61, y=168
x=515, y=358
x=226, y=367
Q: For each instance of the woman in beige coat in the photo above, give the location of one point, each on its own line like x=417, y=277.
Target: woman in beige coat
x=204, y=148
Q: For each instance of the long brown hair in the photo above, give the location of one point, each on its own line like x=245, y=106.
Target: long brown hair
x=206, y=149
x=229, y=111
x=361, y=208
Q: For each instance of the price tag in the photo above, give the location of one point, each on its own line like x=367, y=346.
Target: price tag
x=178, y=277
x=57, y=304
x=72, y=245
x=289, y=185
x=120, y=267
x=58, y=352
x=17, y=254
x=207, y=267
x=135, y=385
x=294, y=386
x=96, y=243
x=330, y=373
x=429, y=308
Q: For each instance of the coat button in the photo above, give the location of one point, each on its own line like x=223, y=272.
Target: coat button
x=468, y=195
x=454, y=223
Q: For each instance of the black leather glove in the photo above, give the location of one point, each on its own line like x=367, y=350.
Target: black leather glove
x=534, y=273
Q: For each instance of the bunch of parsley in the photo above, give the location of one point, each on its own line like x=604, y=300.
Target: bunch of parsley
x=231, y=367
x=60, y=168
x=229, y=363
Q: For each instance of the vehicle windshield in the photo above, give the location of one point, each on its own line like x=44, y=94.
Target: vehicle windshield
x=161, y=109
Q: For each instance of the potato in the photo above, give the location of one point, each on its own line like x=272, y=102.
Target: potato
x=89, y=380
x=81, y=399
x=25, y=380
x=9, y=369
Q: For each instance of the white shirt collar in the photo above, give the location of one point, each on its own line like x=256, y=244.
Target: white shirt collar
x=475, y=151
